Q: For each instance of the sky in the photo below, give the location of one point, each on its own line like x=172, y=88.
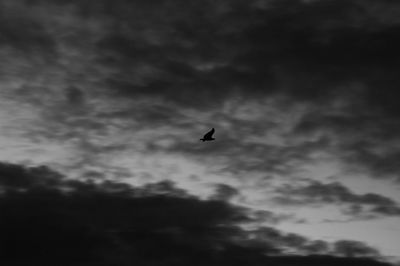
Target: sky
x=105, y=101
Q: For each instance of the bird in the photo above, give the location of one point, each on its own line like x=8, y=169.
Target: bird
x=208, y=135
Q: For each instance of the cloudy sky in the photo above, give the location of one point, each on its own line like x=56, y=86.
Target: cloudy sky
x=112, y=96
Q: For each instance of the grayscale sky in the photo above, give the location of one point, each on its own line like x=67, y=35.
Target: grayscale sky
x=303, y=95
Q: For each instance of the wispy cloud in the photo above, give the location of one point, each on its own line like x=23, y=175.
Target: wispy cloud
x=315, y=193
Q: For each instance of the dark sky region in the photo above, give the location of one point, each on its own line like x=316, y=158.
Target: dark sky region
x=103, y=103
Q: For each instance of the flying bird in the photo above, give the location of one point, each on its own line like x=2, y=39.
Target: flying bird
x=208, y=135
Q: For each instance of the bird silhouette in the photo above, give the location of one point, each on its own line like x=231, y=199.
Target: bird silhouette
x=208, y=135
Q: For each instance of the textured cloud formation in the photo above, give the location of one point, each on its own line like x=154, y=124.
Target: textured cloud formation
x=368, y=205
x=113, y=89
x=97, y=60
x=109, y=66
x=73, y=222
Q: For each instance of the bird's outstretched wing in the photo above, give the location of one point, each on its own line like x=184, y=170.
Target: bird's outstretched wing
x=209, y=134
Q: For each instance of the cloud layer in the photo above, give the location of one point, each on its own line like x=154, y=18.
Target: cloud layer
x=93, y=69
x=51, y=219
x=365, y=206
x=98, y=61
x=297, y=90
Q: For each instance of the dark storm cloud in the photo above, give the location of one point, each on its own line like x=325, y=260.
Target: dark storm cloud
x=72, y=222
x=316, y=46
x=13, y=176
x=78, y=221
x=25, y=33
x=75, y=96
x=233, y=45
x=360, y=205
